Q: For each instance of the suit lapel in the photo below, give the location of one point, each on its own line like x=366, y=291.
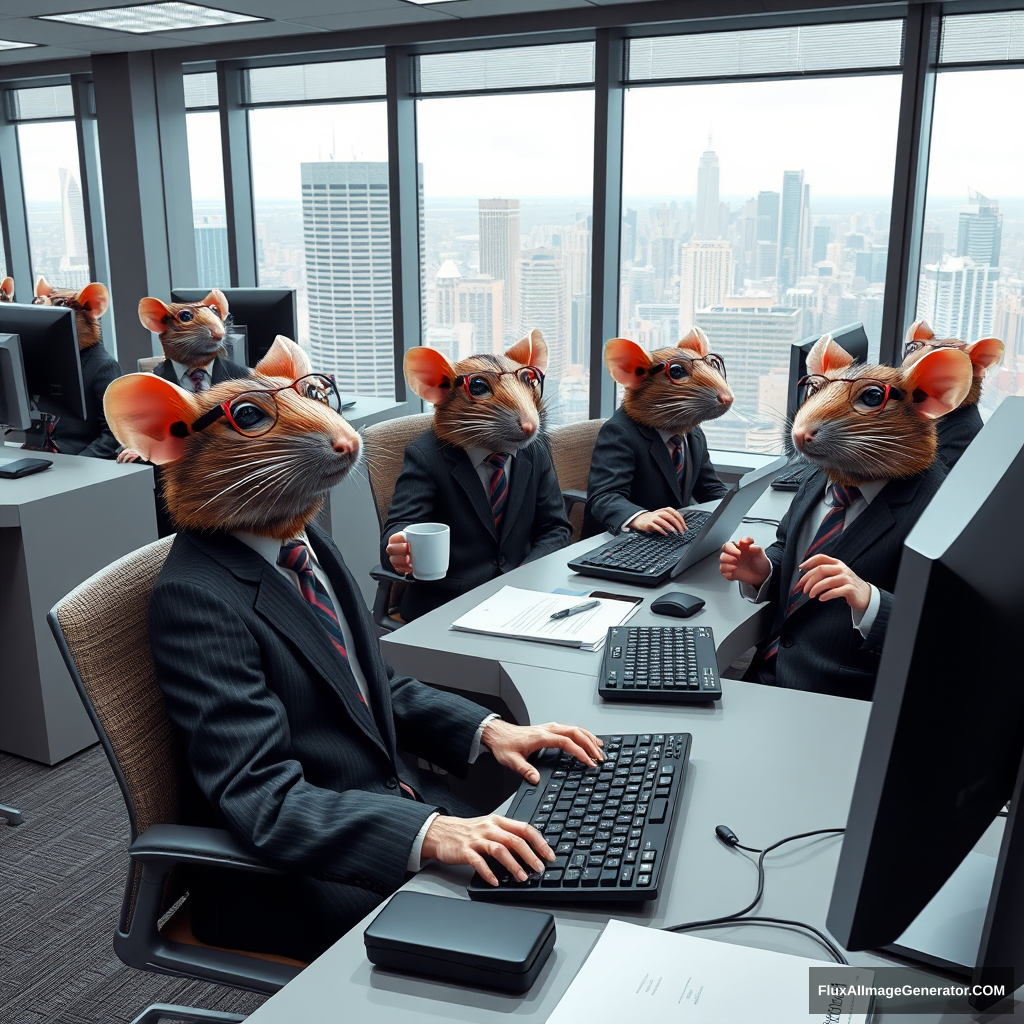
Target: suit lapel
x=522, y=470
x=465, y=475
x=663, y=460
x=807, y=497
x=874, y=521
x=694, y=457
x=166, y=370
x=219, y=371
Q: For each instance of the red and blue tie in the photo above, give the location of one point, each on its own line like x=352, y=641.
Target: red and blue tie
x=499, y=486
x=840, y=498
x=675, y=445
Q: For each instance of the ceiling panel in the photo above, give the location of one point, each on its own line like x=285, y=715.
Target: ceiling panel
x=486, y=8
x=404, y=15
x=299, y=9
x=229, y=33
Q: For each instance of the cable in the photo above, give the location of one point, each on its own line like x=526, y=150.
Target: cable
x=727, y=836
x=759, y=519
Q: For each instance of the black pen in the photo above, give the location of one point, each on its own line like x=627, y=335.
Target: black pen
x=566, y=612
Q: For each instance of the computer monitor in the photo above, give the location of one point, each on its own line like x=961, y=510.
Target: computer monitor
x=943, y=751
x=15, y=409
x=49, y=348
x=852, y=338
x=264, y=312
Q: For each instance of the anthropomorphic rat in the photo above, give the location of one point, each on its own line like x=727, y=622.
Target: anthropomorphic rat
x=91, y=436
x=960, y=427
x=651, y=457
x=287, y=716
x=870, y=433
x=7, y=289
x=482, y=468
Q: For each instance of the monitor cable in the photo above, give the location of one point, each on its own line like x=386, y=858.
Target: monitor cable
x=729, y=838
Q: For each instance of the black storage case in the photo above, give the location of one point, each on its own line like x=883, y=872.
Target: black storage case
x=458, y=940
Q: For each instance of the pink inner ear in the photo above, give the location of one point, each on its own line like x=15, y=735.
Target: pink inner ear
x=624, y=358
x=426, y=372
x=284, y=359
x=985, y=354
x=944, y=376
x=827, y=355
x=696, y=341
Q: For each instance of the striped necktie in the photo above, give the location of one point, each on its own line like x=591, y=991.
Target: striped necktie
x=198, y=376
x=840, y=499
x=499, y=486
x=675, y=446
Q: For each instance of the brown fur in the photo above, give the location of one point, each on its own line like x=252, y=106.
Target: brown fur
x=216, y=479
x=984, y=354
x=89, y=304
x=192, y=343
x=7, y=289
x=897, y=442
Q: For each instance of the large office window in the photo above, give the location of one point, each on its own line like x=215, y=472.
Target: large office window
x=209, y=212
x=756, y=210
x=507, y=201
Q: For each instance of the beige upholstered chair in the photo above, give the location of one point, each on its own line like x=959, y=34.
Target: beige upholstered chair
x=101, y=630
x=149, y=364
x=384, y=447
x=572, y=447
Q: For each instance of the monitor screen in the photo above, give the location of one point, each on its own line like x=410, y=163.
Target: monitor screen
x=15, y=410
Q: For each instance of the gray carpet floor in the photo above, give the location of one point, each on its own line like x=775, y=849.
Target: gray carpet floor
x=62, y=877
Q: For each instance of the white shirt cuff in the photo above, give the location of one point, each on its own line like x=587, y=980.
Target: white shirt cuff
x=416, y=853
x=478, y=740
x=864, y=623
x=638, y=512
x=758, y=595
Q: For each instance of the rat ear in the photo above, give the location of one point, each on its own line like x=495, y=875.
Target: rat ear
x=219, y=299
x=827, y=355
x=939, y=381
x=284, y=359
x=43, y=286
x=152, y=313
x=530, y=351
x=985, y=354
x=93, y=299
x=920, y=331
x=696, y=342
x=429, y=374
x=144, y=412
x=7, y=285
x=627, y=362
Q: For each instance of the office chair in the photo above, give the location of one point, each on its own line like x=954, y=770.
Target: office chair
x=102, y=633
x=14, y=817
x=384, y=447
x=149, y=363
x=572, y=447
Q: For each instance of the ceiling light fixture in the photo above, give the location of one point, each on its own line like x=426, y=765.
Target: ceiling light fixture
x=142, y=19
x=10, y=44
x=423, y=3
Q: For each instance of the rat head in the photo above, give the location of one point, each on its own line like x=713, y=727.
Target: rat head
x=7, y=289
x=984, y=354
x=672, y=389
x=192, y=333
x=867, y=422
x=485, y=401
x=256, y=454
x=89, y=305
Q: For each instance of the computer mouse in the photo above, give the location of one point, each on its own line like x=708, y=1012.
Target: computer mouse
x=677, y=604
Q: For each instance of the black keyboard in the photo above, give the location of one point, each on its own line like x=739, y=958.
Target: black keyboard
x=792, y=476
x=648, y=553
x=609, y=826
x=660, y=664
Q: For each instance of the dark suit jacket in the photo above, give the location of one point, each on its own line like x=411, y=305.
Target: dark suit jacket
x=282, y=750
x=820, y=650
x=90, y=436
x=632, y=471
x=439, y=484
x=956, y=431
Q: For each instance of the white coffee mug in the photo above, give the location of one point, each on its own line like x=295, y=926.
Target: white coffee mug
x=429, y=545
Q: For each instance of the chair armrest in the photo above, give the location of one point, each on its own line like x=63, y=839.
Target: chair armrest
x=190, y=844
x=382, y=575
x=573, y=497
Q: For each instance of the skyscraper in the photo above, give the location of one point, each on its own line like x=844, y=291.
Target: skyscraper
x=73, y=217
x=768, y=217
x=346, y=226
x=212, y=254
x=499, y=249
x=933, y=245
x=478, y=301
x=446, y=281
x=705, y=278
x=542, y=305
x=792, y=227
x=708, y=214
x=958, y=297
x=819, y=246
x=980, y=231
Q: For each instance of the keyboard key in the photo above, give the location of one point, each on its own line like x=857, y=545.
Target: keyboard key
x=631, y=857
x=564, y=847
x=659, y=808
x=643, y=880
x=571, y=878
x=591, y=877
x=609, y=876
x=648, y=856
x=626, y=876
x=578, y=860
x=552, y=878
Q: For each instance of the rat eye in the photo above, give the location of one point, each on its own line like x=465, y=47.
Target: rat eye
x=216, y=309
x=677, y=371
x=58, y=302
x=248, y=418
x=872, y=397
x=478, y=387
x=530, y=379
x=185, y=315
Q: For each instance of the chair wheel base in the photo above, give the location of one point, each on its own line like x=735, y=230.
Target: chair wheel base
x=186, y=1014
x=13, y=817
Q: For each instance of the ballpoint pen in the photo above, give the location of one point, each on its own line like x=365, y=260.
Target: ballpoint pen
x=566, y=612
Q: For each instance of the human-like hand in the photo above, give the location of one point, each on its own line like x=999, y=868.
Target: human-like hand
x=661, y=520
x=512, y=744
x=744, y=561
x=399, y=553
x=470, y=840
x=826, y=578
x=128, y=455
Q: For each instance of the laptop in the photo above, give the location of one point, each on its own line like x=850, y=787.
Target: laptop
x=651, y=559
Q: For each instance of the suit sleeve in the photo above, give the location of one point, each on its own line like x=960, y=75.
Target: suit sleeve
x=551, y=529
x=105, y=445
x=776, y=552
x=236, y=730
x=611, y=478
x=876, y=635
x=413, y=500
x=706, y=485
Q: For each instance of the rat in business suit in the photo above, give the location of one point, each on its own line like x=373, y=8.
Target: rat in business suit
x=651, y=457
x=271, y=672
x=957, y=429
x=483, y=468
x=870, y=432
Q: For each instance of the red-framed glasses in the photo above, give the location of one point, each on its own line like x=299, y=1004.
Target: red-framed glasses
x=481, y=384
x=865, y=394
x=679, y=367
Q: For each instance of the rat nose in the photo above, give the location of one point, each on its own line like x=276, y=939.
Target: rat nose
x=345, y=443
x=725, y=398
x=528, y=426
x=803, y=436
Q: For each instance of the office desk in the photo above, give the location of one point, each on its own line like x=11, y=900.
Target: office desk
x=57, y=528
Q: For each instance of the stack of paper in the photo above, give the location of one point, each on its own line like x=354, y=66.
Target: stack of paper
x=526, y=615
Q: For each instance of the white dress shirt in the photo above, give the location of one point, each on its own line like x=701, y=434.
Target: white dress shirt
x=477, y=456
x=868, y=492
x=664, y=435
x=269, y=548
x=181, y=371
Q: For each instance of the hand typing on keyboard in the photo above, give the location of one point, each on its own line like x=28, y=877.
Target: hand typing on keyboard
x=512, y=744
x=661, y=520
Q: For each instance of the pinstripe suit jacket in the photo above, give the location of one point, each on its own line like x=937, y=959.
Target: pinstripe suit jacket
x=819, y=649
x=439, y=484
x=286, y=756
x=956, y=431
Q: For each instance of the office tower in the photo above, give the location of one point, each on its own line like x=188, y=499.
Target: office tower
x=72, y=216
x=500, y=249
x=478, y=301
x=657, y=325
x=819, y=245
x=705, y=277
x=575, y=246
x=805, y=298
x=869, y=313
x=663, y=260
x=1009, y=322
x=346, y=225
x=980, y=231
x=792, y=227
x=933, y=245
x=628, y=246
x=447, y=279
x=957, y=297
x=708, y=211
x=768, y=217
x=765, y=257
x=212, y=254
x=542, y=304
